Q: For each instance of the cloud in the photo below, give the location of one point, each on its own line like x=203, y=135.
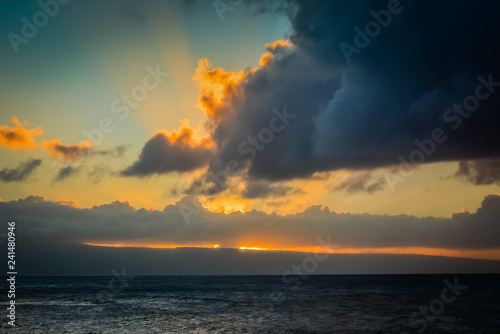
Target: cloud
x=119, y=222
x=73, y=152
x=17, y=123
x=175, y=151
x=19, y=137
x=276, y=48
x=68, y=203
x=97, y=173
x=217, y=87
x=64, y=173
x=68, y=152
x=384, y=105
x=21, y=172
x=361, y=182
x=30, y=199
x=381, y=107
x=115, y=206
x=480, y=172
x=250, y=122
x=117, y=151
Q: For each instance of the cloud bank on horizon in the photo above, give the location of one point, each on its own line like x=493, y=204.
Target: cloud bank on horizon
x=120, y=223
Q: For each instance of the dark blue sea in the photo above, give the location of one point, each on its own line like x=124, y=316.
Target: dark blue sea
x=256, y=304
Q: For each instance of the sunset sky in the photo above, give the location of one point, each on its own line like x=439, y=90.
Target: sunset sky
x=264, y=125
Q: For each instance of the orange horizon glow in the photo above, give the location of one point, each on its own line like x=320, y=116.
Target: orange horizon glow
x=492, y=254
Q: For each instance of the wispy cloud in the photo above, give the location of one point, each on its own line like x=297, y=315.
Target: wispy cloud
x=480, y=172
x=64, y=173
x=361, y=182
x=21, y=172
x=68, y=152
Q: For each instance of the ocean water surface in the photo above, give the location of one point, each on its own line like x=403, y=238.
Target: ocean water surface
x=256, y=304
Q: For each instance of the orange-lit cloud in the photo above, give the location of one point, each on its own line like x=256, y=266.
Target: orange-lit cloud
x=185, y=137
x=217, y=87
x=19, y=137
x=68, y=203
x=241, y=118
x=265, y=59
x=68, y=152
x=272, y=49
x=17, y=123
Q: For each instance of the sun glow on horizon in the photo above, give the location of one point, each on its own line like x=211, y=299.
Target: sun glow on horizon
x=493, y=254
x=253, y=248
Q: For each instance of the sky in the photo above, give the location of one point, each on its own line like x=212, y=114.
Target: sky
x=253, y=125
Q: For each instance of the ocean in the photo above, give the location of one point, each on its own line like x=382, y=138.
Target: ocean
x=256, y=304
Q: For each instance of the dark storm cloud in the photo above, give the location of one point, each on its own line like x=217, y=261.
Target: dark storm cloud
x=480, y=172
x=411, y=78
x=119, y=222
x=21, y=172
x=163, y=154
